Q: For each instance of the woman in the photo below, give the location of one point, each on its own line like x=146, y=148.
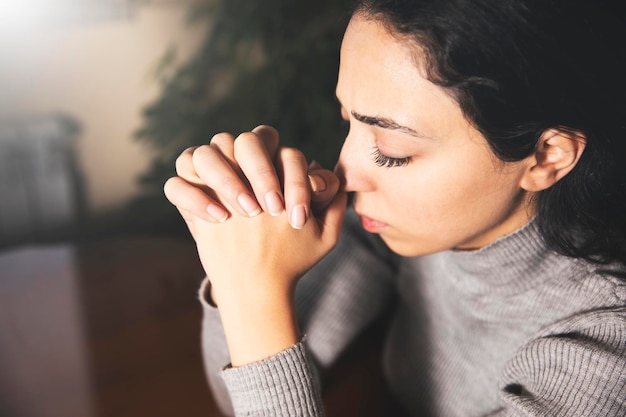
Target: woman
x=487, y=157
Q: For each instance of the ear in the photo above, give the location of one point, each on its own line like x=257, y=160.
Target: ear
x=557, y=153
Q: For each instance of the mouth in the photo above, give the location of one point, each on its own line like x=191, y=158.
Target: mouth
x=372, y=225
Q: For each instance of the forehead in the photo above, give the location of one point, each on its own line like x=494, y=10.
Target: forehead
x=368, y=40
x=369, y=32
x=380, y=72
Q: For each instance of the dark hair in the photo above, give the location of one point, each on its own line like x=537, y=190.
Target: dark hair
x=520, y=67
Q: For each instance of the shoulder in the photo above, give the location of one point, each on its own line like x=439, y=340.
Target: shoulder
x=580, y=286
x=607, y=281
x=576, y=366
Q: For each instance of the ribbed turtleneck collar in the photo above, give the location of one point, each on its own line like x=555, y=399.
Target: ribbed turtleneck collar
x=512, y=263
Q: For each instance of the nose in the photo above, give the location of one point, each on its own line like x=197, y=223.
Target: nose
x=354, y=167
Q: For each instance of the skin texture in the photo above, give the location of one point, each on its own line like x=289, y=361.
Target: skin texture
x=453, y=192
x=423, y=178
x=254, y=257
x=253, y=265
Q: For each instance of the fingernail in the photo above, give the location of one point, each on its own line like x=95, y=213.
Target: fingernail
x=298, y=217
x=217, y=212
x=317, y=183
x=249, y=204
x=274, y=203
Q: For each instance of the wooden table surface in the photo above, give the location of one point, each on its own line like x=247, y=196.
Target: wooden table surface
x=111, y=328
x=103, y=329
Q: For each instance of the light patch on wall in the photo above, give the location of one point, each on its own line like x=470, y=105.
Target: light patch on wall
x=98, y=73
x=23, y=16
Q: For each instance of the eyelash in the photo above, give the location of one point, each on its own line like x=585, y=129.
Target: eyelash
x=378, y=157
x=387, y=161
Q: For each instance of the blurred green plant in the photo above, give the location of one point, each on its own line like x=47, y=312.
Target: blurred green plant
x=271, y=62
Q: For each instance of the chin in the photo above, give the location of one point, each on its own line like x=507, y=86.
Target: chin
x=409, y=248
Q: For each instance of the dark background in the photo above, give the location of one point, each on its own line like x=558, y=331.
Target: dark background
x=272, y=62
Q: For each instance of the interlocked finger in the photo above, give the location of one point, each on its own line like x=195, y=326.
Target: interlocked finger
x=234, y=175
x=188, y=198
x=221, y=175
x=257, y=165
x=184, y=166
x=297, y=186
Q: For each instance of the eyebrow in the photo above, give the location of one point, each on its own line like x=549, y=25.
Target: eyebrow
x=385, y=123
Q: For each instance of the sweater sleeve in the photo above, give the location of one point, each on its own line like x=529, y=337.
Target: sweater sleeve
x=214, y=350
x=284, y=385
x=575, y=368
x=335, y=301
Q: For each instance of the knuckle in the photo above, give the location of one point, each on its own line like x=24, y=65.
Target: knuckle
x=245, y=140
x=331, y=180
x=266, y=129
x=228, y=186
x=188, y=151
x=294, y=164
x=269, y=137
x=170, y=188
x=184, y=160
x=167, y=187
x=202, y=153
x=265, y=171
x=293, y=155
x=222, y=139
x=266, y=133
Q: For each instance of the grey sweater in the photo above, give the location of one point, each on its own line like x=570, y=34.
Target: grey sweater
x=512, y=329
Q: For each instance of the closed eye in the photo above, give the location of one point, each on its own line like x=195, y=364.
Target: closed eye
x=387, y=161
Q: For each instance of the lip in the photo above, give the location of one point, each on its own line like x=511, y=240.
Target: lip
x=372, y=225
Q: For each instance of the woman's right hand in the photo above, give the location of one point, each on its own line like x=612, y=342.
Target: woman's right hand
x=253, y=264
x=246, y=175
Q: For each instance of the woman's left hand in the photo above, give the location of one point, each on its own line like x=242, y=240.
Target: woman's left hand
x=253, y=263
x=245, y=257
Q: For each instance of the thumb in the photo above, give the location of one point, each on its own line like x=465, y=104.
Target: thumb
x=324, y=186
x=331, y=219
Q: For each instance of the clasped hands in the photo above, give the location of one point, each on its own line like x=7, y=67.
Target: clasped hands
x=260, y=217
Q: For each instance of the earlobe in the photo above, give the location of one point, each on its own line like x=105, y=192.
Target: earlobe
x=557, y=153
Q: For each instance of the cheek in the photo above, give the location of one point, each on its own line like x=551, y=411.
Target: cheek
x=429, y=186
x=446, y=194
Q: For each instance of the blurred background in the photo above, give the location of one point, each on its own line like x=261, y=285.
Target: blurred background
x=98, y=275
x=75, y=77
x=108, y=92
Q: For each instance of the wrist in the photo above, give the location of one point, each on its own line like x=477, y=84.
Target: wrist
x=258, y=324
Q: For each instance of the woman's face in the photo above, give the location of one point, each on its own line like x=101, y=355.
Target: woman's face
x=424, y=179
